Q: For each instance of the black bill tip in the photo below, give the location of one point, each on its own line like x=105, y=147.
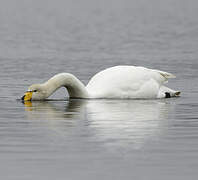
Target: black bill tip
x=23, y=98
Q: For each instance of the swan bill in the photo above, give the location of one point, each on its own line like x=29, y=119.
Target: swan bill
x=27, y=96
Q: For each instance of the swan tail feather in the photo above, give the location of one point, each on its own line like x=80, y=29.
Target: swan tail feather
x=166, y=75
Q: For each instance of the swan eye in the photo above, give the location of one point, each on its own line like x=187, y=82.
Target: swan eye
x=35, y=90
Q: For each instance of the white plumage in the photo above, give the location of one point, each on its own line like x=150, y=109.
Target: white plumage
x=123, y=82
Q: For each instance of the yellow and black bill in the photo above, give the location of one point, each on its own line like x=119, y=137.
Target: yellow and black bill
x=27, y=96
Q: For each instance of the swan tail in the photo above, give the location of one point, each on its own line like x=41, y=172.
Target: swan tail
x=166, y=75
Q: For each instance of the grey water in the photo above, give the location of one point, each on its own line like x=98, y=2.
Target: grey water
x=97, y=139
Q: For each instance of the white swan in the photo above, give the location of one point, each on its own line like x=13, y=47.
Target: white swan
x=122, y=82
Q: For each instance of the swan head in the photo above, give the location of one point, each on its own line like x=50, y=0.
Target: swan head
x=35, y=92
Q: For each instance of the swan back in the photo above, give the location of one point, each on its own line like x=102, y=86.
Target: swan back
x=127, y=82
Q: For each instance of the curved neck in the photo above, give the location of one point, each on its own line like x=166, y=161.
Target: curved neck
x=74, y=86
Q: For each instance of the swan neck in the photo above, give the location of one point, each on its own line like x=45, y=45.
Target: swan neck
x=74, y=86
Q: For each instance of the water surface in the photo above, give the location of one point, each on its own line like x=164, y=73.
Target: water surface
x=97, y=139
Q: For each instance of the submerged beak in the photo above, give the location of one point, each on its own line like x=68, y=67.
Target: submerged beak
x=27, y=96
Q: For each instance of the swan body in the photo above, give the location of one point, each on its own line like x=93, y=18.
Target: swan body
x=122, y=82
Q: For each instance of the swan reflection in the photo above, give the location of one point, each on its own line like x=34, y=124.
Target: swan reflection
x=110, y=122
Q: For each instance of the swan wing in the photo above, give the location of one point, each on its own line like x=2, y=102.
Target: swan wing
x=127, y=82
